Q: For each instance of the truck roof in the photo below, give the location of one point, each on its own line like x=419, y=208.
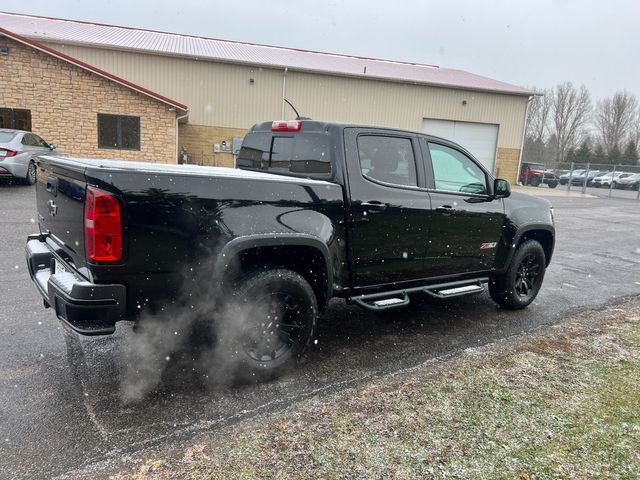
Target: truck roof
x=321, y=126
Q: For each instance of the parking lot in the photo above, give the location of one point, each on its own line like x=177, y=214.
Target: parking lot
x=62, y=406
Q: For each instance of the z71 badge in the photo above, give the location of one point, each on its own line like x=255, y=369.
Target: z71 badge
x=487, y=246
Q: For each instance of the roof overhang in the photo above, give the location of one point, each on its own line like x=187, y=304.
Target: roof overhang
x=179, y=107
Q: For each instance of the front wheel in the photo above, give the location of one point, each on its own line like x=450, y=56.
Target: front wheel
x=520, y=284
x=553, y=184
x=535, y=181
x=268, y=322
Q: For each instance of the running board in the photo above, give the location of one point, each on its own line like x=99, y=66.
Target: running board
x=460, y=291
x=400, y=298
x=382, y=301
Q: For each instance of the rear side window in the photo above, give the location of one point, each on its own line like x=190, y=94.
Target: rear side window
x=387, y=159
x=29, y=140
x=302, y=155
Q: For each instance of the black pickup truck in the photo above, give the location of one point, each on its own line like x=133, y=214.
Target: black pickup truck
x=313, y=211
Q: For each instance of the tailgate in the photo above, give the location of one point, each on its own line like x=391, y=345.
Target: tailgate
x=60, y=191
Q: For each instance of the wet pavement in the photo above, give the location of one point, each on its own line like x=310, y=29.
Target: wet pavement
x=60, y=394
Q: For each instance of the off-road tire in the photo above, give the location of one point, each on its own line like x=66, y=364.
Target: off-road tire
x=527, y=265
x=552, y=184
x=254, y=323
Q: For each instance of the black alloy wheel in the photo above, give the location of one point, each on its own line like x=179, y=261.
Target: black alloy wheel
x=276, y=328
x=527, y=275
x=519, y=285
x=267, y=324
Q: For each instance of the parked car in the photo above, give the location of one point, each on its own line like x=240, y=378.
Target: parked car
x=316, y=210
x=605, y=180
x=579, y=180
x=564, y=179
x=534, y=174
x=630, y=182
x=18, y=150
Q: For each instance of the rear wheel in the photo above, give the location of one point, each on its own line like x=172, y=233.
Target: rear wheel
x=268, y=323
x=520, y=284
x=30, y=178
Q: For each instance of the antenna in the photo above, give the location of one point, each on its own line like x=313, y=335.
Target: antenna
x=298, y=117
x=294, y=108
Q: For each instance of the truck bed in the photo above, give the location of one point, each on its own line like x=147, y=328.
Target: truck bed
x=177, y=217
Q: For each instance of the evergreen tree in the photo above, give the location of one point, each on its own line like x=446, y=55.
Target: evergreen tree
x=630, y=154
x=599, y=155
x=572, y=156
x=615, y=155
x=583, y=154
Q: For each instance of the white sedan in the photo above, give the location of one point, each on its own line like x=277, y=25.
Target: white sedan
x=18, y=150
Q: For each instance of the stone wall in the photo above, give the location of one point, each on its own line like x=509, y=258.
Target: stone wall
x=507, y=164
x=64, y=101
x=198, y=141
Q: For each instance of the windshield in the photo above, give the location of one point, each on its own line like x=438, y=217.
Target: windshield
x=6, y=137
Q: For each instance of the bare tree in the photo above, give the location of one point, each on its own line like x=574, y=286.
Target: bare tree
x=616, y=120
x=538, y=115
x=571, y=112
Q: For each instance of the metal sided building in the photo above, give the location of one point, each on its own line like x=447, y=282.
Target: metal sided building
x=228, y=86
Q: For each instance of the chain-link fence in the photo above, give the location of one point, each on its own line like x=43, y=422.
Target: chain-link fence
x=602, y=180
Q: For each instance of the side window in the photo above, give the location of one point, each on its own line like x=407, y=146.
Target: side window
x=28, y=140
x=455, y=172
x=387, y=159
x=37, y=141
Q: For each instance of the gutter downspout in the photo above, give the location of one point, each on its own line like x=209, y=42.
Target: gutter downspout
x=178, y=118
x=284, y=90
x=524, y=131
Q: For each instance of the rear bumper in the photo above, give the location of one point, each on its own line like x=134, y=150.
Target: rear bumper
x=88, y=308
x=14, y=166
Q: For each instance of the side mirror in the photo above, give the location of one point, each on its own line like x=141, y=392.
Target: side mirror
x=53, y=146
x=501, y=188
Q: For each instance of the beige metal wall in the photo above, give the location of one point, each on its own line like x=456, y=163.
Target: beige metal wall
x=221, y=94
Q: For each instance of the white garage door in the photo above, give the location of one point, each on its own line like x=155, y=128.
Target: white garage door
x=481, y=139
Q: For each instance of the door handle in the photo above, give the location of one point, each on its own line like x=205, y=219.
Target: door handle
x=375, y=205
x=445, y=209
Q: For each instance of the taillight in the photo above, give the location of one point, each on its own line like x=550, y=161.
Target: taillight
x=286, y=126
x=7, y=153
x=102, y=226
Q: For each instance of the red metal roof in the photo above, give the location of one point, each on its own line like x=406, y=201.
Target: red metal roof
x=91, y=68
x=163, y=43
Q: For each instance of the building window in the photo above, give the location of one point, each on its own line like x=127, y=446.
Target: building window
x=15, y=118
x=118, y=131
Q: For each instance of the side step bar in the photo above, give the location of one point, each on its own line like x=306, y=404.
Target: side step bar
x=400, y=298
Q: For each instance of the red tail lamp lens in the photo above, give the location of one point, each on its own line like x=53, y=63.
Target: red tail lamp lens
x=102, y=226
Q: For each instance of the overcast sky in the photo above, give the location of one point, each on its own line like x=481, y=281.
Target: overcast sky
x=536, y=43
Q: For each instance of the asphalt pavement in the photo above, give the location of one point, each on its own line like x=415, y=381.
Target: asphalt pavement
x=62, y=407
